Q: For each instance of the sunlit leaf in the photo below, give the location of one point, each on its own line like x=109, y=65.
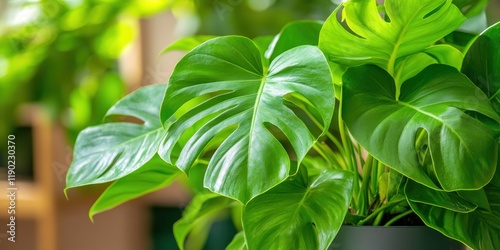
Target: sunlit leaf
x=238, y=242
x=245, y=99
x=414, y=25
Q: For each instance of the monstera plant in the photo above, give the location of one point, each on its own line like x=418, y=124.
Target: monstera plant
x=373, y=117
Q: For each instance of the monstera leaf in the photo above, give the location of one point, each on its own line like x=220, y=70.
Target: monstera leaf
x=301, y=213
x=250, y=101
x=479, y=228
x=113, y=150
x=411, y=27
x=482, y=64
x=438, y=103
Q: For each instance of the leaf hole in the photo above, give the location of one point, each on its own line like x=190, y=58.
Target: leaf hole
x=344, y=23
x=434, y=11
x=283, y=139
x=124, y=118
x=306, y=111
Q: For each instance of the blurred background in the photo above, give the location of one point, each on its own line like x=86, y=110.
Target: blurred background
x=64, y=63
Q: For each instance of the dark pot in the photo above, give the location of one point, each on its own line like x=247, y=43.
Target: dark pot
x=393, y=238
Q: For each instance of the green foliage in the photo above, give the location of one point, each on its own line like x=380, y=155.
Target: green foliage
x=309, y=213
x=246, y=99
x=252, y=120
x=117, y=149
x=64, y=56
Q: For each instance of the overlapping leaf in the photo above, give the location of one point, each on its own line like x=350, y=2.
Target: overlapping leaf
x=413, y=26
x=293, y=35
x=479, y=229
x=438, y=100
x=300, y=213
x=482, y=64
x=154, y=175
x=246, y=99
x=113, y=150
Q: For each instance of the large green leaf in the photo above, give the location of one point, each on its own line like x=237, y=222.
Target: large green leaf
x=154, y=175
x=113, y=150
x=438, y=101
x=301, y=213
x=479, y=229
x=199, y=214
x=414, y=25
x=482, y=64
x=247, y=100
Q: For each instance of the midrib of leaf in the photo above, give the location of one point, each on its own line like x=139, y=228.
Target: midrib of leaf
x=302, y=201
x=254, y=115
x=126, y=142
x=392, y=60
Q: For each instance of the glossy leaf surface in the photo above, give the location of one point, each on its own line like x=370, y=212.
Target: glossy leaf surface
x=154, y=175
x=246, y=100
x=300, y=213
x=462, y=151
x=414, y=25
x=113, y=150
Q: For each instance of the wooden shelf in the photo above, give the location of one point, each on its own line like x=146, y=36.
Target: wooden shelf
x=35, y=200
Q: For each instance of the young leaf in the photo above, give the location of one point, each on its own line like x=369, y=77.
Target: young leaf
x=110, y=151
x=414, y=25
x=482, y=64
x=479, y=229
x=300, y=213
x=438, y=100
x=154, y=175
x=203, y=209
x=247, y=99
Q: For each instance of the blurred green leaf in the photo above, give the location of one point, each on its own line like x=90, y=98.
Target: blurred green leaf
x=200, y=213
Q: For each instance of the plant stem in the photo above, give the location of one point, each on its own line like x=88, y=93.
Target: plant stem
x=363, y=195
x=399, y=216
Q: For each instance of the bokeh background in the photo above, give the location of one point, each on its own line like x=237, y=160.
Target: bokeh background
x=63, y=63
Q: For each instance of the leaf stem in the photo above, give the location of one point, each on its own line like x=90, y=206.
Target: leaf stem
x=398, y=217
